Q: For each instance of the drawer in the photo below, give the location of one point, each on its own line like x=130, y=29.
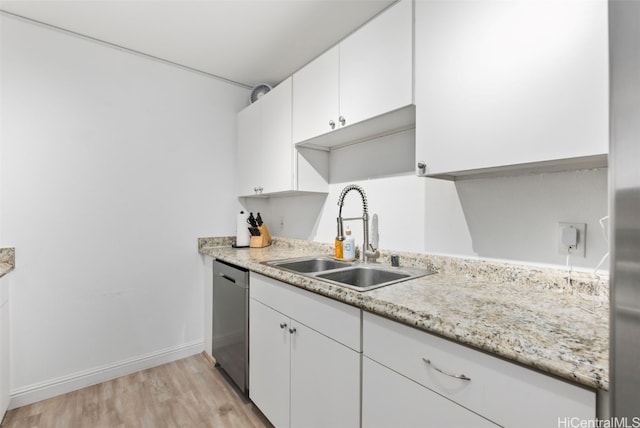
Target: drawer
x=334, y=319
x=501, y=391
x=392, y=400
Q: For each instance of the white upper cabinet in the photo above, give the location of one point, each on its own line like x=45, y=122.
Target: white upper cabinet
x=267, y=162
x=516, y=84
x=376, y=66
x=367, y=75
x=315, y=97
x=276, y=153
x=248, y=142
x=265, y=154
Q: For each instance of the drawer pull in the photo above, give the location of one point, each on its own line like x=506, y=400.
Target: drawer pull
x=460, y=376
x=283, y=325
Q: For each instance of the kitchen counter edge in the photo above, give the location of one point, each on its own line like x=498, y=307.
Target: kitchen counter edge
x=7, y=260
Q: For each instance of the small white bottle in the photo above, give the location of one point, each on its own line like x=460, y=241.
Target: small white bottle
x=349, y=246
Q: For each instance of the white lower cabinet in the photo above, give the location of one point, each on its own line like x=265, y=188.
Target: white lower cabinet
x=325, y=381
x=300, y=374
x=317, y=362
x=392, y=400
x=269, y=362
x=4, y=345
x=493, y=389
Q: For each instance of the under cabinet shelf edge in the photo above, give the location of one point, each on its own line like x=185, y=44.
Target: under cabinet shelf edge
x=548, y=166
x=283, y=194
x=388, y=123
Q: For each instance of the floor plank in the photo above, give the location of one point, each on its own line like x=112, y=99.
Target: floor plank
x=186, y=393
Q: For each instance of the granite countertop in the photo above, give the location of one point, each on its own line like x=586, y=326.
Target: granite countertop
x=7, y=260
x=531, y=315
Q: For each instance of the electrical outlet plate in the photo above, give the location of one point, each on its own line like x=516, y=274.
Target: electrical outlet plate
x=580, y=249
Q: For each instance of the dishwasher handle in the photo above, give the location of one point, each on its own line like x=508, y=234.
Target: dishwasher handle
x=240, y=283
x=228, y=278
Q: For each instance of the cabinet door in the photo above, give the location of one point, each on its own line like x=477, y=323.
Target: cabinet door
x=392, y=400
x=376, y=65
x=325, y=381
x=315, y=97
x=275, y=152
x=4, y=346
x=248, y=143
x=265, y=152
x=269, y=362
x=510, y=82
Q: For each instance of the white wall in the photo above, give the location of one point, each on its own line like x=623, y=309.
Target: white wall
x=508, y=218
x=112, y=165
x=517, y=217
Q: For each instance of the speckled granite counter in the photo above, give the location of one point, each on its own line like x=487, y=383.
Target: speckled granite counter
x=530, y=315
x=7, y=260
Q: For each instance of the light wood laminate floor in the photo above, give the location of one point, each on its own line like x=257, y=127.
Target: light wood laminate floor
x=186, y=393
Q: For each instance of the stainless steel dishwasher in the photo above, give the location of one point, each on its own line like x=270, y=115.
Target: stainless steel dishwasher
x=230, y=341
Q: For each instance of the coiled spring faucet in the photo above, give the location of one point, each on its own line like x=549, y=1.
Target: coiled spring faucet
x=368, y=253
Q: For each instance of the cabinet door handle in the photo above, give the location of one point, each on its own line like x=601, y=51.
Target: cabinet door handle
x=342, y=120
x=332, y=124
x=422, y=167
x=283, y=325
x=460, y=376
x=292, y=330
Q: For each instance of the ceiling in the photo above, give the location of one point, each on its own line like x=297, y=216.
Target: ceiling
x=245, y=41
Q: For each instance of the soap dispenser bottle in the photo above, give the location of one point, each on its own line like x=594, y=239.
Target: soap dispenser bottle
x=339, y=248
x=349, y=246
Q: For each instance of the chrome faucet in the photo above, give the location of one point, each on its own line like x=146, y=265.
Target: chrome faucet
x=368, y=253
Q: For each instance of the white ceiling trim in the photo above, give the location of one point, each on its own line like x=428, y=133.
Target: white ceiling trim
x=121, y=48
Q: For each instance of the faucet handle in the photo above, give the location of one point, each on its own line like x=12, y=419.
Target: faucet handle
x=371, y=253
x=375, y=236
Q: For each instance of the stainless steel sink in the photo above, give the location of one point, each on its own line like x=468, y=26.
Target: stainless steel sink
x=364, y=276
x=355, y=275
x=310, y=265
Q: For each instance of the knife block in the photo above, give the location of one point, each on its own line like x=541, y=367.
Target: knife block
x=264, y=240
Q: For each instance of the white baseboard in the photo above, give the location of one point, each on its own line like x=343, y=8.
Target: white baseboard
x=43, y=390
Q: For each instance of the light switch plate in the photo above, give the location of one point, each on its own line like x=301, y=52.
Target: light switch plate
x=580, y=249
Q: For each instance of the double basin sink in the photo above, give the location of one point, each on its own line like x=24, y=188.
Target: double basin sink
x=355, y=275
